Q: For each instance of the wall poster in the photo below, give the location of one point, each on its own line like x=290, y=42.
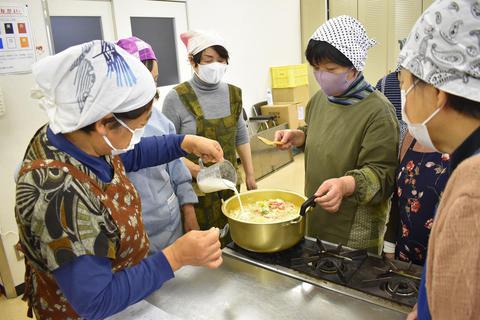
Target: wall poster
x=17, y=51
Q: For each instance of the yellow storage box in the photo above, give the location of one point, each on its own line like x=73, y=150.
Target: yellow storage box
x=289, y=76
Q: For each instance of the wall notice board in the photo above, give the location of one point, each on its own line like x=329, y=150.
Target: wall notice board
x=17, y=51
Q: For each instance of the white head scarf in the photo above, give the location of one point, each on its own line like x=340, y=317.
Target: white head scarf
x=196, y=41
x=84, y=83
x=443, y=48
x=348, y=36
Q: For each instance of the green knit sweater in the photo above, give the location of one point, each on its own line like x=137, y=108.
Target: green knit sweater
x=360, y=140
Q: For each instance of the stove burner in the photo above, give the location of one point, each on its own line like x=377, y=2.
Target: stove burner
x=401, y=287
x=335, y=261
x=330, y=266
x=395, y=281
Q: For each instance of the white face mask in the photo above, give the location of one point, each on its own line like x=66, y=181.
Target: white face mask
x=136, y=137
x=212, y=73
x=418, y=130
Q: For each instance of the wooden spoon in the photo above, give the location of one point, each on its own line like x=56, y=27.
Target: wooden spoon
x=269, y=142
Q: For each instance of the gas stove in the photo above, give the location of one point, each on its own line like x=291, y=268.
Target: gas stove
x=368, y=277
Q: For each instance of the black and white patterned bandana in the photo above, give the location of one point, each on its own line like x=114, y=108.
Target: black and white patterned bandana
x=443, y=48
x=348, y=36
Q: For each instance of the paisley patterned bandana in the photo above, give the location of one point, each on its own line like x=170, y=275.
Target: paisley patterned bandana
x=348, y=36
x=443, y=48
x=84, y=83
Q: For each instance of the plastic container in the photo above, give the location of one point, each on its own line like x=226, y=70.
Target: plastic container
x=269, y=97
x=217, y=177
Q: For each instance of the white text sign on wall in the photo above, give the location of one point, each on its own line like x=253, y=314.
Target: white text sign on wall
x=17, y=51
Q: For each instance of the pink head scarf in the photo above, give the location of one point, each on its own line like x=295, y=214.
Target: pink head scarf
x=137, y=48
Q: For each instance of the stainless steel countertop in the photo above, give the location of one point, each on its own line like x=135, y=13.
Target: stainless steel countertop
x=320, y=282
x=239, y=290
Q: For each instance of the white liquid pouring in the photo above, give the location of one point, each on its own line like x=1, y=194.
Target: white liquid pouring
x=209, y=185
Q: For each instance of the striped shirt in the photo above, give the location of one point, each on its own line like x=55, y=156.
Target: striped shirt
x=390, y=87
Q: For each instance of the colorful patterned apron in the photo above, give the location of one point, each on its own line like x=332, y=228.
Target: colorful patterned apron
x=224, y=130
x=123, y=203
x=421, y=179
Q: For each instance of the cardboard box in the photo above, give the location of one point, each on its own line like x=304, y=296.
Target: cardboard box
x=293, y=114
x=289, y=76
x=290, y=95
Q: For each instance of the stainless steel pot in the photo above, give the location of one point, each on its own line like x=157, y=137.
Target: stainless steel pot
x=267, y=237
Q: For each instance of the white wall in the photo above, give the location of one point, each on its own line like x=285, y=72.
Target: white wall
x=258, y=33
x=22, y=118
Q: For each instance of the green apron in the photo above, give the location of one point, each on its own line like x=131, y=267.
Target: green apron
x=340, y=141
x=209, y=207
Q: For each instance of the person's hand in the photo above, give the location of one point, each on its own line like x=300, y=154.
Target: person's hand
x=194, y=170
x=389, y=256
x=331, y=192
x=250, y=182
x=192, y=167
x=414, y=314
x=189, y=218
x=206, y=149
x=289, y=138
x=196, y=248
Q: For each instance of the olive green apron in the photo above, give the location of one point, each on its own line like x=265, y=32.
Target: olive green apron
x=331, y=150
x=209, y=207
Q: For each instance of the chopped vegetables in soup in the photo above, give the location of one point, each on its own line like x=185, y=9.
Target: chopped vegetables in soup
x=273, y=210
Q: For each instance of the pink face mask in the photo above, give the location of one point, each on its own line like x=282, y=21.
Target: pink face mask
x=333, y=84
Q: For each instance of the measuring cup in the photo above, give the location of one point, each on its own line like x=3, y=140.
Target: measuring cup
x=219, y=176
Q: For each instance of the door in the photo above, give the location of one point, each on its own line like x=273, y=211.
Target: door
x=373, y=14
x=388, y=22
x=342, y=7
x=402, y=17
x=73, y=22
x=159, y=23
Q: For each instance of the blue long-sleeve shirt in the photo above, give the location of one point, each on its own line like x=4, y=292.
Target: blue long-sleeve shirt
x=88, y=282
x=105, y=293
x=150, y=152
x=163, y=190
x=423, y=311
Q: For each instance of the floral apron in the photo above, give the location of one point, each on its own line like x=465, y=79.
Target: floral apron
x=421, y=180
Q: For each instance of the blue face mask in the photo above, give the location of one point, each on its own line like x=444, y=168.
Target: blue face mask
x=136, y=137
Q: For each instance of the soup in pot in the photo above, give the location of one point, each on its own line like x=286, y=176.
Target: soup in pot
x=267, y=211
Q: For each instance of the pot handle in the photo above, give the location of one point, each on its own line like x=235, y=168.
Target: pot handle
x=294, y=221
x=309, y=203
x=224, y=231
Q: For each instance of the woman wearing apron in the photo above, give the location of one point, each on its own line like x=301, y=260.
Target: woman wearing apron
x=421, y=179
x=208, y=107
x=79, y=216
x=440, y=83
x=166, y=190
x=350, y=140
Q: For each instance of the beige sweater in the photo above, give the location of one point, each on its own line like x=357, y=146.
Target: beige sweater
x=453, y=262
